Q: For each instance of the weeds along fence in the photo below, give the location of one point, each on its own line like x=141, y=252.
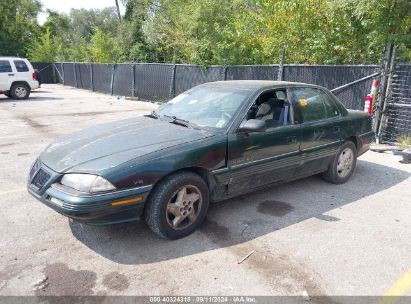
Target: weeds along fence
x=153, y=81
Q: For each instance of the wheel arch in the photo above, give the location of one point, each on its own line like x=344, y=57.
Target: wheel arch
x=20, y=82
x=204, y=173
x=356, y=140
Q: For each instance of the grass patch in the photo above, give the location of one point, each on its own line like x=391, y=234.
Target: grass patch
x=404, y=141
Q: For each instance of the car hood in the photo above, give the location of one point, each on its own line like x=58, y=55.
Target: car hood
x=108, y=145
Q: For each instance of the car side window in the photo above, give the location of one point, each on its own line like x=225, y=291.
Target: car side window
x=271, y=107
x=330, y=106
x=310, y=104
x=21, y=66
x=5, y=66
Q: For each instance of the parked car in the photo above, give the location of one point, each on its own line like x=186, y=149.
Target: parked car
x=215, y=141
x=17, y=77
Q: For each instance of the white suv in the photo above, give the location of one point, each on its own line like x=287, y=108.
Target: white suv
x=17, y=77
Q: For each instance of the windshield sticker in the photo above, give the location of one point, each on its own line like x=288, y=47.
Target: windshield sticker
x=303, y=102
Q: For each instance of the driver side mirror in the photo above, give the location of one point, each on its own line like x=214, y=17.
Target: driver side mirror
x=252, y=125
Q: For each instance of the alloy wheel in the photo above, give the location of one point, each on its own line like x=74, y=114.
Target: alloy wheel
x=184, y=207
x=20, y=92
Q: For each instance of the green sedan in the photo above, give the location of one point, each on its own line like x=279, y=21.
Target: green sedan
x=213, y=142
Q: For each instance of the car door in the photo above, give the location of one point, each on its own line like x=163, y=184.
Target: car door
x=259, y=158
x=321, y=124
x=5, y=74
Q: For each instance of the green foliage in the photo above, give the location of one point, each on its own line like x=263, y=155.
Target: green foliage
x=253, y=32
x=84, y=22
x=18, y=25
x=103, y=48
x=83, y=35
x=46, y=48
x=227, y=31
x=404, y=141
x=130, y=33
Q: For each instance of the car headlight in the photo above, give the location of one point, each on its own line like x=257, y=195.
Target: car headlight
x=86, y=183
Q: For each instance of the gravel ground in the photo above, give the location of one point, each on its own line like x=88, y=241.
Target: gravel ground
x=308, y=236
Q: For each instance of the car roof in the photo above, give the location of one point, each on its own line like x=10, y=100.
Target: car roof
x=254, y=84
x=11, y=58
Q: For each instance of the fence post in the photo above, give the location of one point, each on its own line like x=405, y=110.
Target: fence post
x=280, y=74
x=173, y=78
x=225, y=65
x=62, y=70
x=385, y=91
x=91, y=78
x=53, y=73
x=225, y=73
x=112, y=78
x=75, y=75
x=133, y=84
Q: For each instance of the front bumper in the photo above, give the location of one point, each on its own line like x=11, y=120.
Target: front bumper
x=94, y=209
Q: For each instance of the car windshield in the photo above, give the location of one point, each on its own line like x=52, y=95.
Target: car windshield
x=205, y=106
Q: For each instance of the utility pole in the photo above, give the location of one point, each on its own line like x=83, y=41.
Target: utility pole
x=118, y=10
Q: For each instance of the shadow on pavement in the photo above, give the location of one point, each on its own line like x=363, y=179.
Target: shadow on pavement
x=30, y=99
x=240, y=219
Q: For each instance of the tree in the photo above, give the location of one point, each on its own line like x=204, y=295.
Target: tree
x=199, y=32
x=255, y=31
x=18, y=25
x=103, y=48
x=83, y=22
x=46, y=48
x=118, y=10
x=70, y=37
x=224, y=31
x=131, y=37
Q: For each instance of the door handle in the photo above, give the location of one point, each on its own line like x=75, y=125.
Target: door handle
x=10, y=74
x=336, y=129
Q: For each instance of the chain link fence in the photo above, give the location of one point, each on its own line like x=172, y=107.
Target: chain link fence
x=152, y=81
x=188, y=76
x=83, y=76
x=396, y=119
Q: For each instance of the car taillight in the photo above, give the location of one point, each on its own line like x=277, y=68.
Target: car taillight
x=34, y=75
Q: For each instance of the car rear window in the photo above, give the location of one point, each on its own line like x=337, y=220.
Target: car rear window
x=21, y=66
x=5, y=66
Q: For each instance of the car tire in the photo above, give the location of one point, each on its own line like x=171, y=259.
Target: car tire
x=177, y=205
x=20, y=91
x=343, y=164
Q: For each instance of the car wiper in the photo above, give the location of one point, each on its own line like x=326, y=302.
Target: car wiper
x=154, y=115
x=178, y=121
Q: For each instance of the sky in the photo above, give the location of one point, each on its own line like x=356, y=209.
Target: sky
x=64, y=6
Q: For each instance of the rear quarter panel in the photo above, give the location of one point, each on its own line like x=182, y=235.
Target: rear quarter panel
x=359, y=125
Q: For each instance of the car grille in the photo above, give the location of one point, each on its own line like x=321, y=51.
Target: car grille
x=40, y=179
